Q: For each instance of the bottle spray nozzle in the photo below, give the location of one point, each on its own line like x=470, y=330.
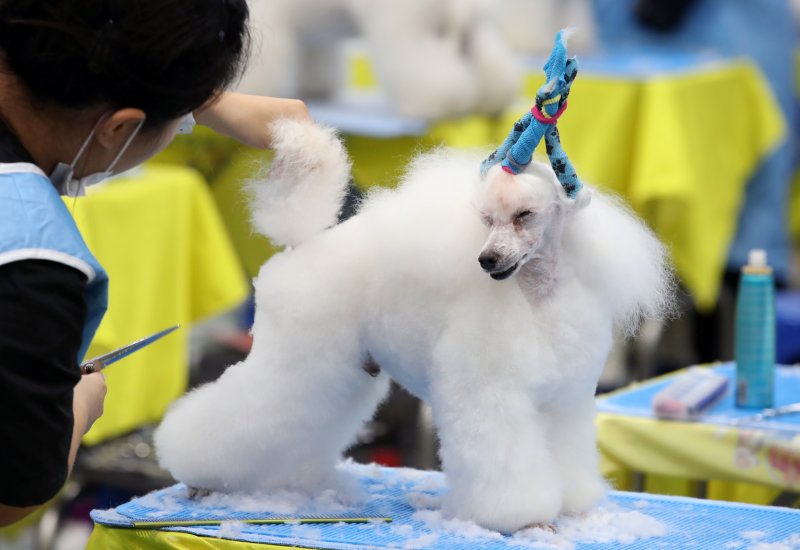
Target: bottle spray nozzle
x=757, y=258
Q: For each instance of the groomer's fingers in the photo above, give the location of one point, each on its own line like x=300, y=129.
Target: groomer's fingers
x=88, y=397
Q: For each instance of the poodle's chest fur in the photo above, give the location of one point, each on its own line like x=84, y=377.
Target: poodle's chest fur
x=545, y=343
x=410, y=289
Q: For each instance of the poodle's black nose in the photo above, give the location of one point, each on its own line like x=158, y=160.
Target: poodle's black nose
x=488, y=261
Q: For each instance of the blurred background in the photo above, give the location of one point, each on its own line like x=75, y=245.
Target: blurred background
x=686, y=108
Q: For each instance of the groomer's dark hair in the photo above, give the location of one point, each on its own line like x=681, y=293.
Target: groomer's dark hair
x=166, y=57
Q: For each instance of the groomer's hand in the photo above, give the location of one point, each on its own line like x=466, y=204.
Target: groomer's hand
x=246, y=118
x=87, y=400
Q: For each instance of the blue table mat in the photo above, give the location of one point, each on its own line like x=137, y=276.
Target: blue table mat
x=636, y=400
x=412, y=498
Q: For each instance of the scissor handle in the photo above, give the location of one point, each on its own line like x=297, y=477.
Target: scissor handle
x=91, y=366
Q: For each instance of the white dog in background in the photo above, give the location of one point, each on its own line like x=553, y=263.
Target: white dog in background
x=529, y=25
x=494, y=299
x=433, y=58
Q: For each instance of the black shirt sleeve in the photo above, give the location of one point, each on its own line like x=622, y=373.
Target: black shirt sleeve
x=42, y=314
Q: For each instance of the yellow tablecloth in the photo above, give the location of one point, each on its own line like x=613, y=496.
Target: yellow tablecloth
x=679, y=147
x=226, y=165
x=746, y=464
x=110, y=538
x=683, y=161
x=759, y=465
x=158, y=234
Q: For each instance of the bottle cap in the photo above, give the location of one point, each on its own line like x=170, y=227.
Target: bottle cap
x=757, y=258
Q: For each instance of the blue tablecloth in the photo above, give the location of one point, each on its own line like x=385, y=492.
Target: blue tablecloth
x=411, y=498
x=636, y=401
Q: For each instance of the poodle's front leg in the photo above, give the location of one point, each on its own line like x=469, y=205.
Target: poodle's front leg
x=575, y=450
x=494, y=450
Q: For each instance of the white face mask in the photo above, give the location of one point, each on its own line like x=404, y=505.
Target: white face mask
x=62, y=175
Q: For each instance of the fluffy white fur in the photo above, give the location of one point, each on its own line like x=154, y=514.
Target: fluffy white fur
x=509, y=366
x=291, y=209
x=433, y=58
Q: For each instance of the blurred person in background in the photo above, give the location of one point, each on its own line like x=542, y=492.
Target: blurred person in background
x=765, y=32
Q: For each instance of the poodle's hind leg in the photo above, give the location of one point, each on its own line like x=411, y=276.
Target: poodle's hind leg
x=280, y=419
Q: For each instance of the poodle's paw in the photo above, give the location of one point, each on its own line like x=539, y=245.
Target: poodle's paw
x=507, y=508
x=506, y=519
x=347, y=487
x=585, y=491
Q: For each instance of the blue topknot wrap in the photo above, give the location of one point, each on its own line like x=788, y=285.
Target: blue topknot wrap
x=516, y=151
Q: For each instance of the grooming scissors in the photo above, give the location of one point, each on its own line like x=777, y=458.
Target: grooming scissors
x=99, y=363
x=766, y=414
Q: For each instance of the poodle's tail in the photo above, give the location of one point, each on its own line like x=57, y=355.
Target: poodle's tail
x=304, y=187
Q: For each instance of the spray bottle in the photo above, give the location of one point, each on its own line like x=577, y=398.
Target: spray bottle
x=755, y=334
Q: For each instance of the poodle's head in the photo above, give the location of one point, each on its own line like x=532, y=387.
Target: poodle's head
x=525, y=214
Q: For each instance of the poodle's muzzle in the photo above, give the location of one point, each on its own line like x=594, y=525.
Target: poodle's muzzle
x=490, y=262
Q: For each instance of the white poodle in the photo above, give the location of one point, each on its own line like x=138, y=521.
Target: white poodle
x=433, y=58
x=494, y=299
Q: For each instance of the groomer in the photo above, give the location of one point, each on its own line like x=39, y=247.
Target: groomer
x=88, y=88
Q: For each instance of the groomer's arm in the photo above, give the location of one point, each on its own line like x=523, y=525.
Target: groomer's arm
x=246, y=118
x=46, y=405
x=87, y=406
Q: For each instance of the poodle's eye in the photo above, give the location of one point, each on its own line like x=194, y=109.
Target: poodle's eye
x=523, y=216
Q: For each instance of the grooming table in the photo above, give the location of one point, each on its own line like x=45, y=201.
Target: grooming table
x=411, y=498
x=722, y=445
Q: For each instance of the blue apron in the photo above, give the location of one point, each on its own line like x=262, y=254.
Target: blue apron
x=35, y=224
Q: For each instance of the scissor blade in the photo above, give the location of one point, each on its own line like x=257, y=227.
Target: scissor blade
x=117, y=354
